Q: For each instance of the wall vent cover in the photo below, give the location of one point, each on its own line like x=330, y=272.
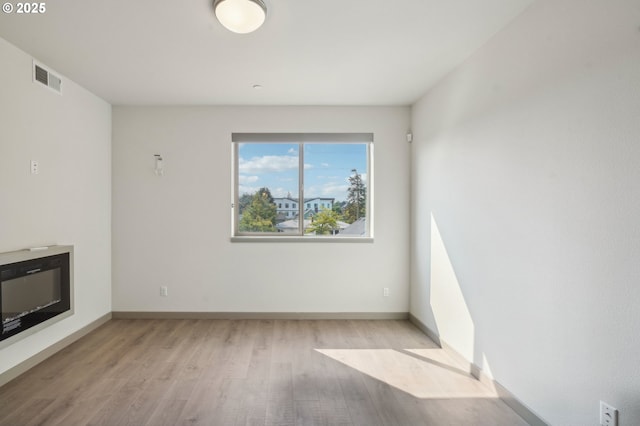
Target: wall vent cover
x=42, y=75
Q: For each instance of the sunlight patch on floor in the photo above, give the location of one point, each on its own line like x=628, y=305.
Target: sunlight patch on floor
x=423, y=373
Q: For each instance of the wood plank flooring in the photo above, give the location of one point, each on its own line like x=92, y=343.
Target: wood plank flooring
x=251, y=372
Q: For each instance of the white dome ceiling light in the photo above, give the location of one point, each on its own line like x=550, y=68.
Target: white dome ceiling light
x=240, y=16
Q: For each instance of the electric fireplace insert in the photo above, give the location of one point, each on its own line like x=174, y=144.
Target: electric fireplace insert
x=35, y=287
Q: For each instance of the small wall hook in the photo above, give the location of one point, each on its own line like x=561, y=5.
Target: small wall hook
x=159, y=170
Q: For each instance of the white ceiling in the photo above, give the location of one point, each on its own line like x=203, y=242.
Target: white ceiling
x=309, y=52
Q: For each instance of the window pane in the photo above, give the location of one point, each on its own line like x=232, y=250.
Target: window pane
x=335, y=182
x=269, y=181
x=268, y=176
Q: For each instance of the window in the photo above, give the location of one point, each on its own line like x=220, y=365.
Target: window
x=330, y=174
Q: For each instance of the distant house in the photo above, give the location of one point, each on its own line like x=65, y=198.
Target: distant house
x=318, y=204
x=289, y=208
x=286, y=207
x=291, y=226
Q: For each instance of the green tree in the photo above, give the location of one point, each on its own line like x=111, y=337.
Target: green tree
x=338, y=206
x=265, y=193
x=324, y=222
x=243, y=202
x=260, y=214
x=356, y=198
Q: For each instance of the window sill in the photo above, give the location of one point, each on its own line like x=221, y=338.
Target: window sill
x=299, y=239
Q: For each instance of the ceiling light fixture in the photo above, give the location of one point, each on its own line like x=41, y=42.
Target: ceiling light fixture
x=240, y=16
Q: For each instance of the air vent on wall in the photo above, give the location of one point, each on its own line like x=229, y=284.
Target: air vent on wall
x=52, y=81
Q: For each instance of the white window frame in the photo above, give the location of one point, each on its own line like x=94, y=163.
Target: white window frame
x=301, y=139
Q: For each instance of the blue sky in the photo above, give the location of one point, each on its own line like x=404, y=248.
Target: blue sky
x=275, y=165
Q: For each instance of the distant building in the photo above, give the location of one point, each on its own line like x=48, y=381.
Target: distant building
x=291, y=226
x=286, y=207
x=289, y=208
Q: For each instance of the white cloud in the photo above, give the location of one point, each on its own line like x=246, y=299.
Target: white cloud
x=279, y=192
x=275, y=192
x=268, y=164
x=243, y=189
x=243, y=179
x=334, y=189
x=363, y=176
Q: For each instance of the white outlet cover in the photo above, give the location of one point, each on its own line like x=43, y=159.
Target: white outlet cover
x=608, y=415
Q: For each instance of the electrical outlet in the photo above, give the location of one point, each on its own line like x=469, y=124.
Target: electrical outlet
x=385, y=292
x=608, y=415
x=164, y=291
x=34, y=167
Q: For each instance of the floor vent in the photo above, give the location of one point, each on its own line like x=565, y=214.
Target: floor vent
x=45, y=77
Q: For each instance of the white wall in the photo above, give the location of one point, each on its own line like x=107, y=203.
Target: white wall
x=69, y=201
x=526, y=184
x=175, y=230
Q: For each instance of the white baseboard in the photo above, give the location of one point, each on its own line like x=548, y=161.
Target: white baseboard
x=31, y=362
x=263, y=315
x=503, y=393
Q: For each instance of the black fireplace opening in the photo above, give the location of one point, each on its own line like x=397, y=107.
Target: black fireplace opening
x=33, y=291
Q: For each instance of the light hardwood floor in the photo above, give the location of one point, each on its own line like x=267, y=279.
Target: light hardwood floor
x=251, y=372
